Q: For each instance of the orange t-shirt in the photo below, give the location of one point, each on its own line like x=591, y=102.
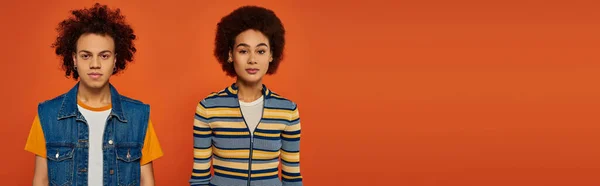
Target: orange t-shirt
x=36, y=143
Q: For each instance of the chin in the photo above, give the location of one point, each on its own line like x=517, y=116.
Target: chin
x=251, y=79
x=94, y=85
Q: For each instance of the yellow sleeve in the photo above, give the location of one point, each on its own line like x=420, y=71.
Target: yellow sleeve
x=36, y=143
x=151, y=150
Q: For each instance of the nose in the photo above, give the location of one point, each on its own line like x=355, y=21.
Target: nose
x=96, y=64
x=252, y=59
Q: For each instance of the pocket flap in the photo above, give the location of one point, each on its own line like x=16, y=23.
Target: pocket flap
x=59, y=152
x=129, y=153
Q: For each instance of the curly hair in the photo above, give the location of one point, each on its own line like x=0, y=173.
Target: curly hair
x=100, y=20
x=245, y=18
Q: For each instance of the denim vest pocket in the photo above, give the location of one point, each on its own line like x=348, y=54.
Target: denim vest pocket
x=60, y=163
x=128, y=163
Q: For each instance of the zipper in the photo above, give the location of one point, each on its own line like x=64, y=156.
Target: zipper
x=252, y=135
x=250, y=158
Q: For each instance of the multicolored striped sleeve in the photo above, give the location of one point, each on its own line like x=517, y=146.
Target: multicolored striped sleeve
x=202, y=147
x=290, y=151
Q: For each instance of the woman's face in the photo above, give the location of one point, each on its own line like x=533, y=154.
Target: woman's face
x=251, y=55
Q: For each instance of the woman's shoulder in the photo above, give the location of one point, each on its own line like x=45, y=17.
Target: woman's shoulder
x=280, y=102
x=217, y=99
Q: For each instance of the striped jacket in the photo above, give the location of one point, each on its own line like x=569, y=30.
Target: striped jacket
x=238, y=159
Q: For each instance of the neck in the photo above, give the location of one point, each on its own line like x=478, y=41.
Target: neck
x=94, y=97
x=248, y=92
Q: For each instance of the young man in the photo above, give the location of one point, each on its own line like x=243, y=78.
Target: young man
x=246, y=129
x=92, y=135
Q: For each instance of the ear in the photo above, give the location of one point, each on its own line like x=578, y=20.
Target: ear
x=74, y=59
x=270, y=56
x=115, y=60
x=230, y=59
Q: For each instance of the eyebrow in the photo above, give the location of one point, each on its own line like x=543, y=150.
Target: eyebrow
x=104, y=51
x=262, y=44
x=246, y=45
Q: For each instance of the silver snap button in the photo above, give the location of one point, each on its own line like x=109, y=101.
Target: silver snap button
x=110, y=142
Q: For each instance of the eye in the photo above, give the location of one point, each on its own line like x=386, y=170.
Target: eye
x=262, y=51
x=243, y=51
x=85, y=56
x=105, y=56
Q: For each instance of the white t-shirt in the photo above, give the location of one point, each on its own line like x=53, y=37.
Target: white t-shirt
x=96, y=121
x=252, y=113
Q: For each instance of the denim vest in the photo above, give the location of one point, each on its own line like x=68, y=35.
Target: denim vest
x=66, y=134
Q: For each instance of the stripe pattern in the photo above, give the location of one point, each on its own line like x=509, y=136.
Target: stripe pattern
x=221, y=137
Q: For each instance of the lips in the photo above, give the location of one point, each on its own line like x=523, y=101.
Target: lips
x=252, y=70
x=94, y=75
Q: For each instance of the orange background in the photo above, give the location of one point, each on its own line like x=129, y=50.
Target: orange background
x=416, y=93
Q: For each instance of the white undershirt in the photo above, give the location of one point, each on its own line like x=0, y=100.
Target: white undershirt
x=96, y=121
x=252, y=112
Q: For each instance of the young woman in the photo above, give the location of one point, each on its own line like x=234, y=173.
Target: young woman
x=92, y=135
x=246, y=128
